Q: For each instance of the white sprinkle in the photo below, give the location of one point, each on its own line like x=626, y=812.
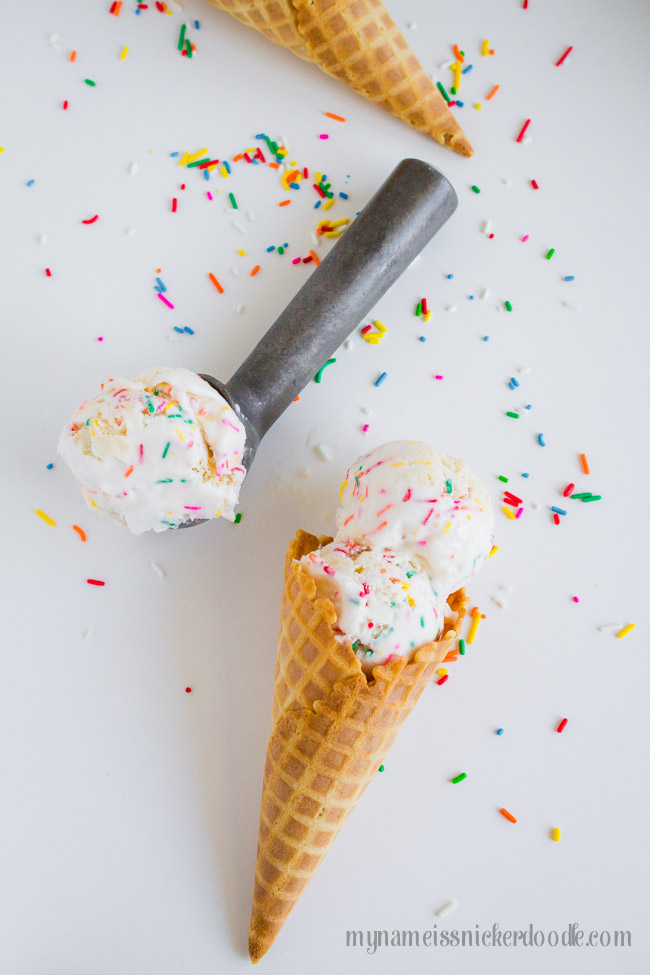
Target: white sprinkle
x=234, y=270
x=173, y=337
x=506, y=182
x=251, y=216
x=366, y=410
x=348, y=344
x=571, y=305
x=42, y=239
x=323, y=451
x=316, y=240
x=240, y=308
x=527, y=139
x=130, y=232
x=535, y=505
x=133, y=168
x=485, y=294
x=609, y=626
x=52, y=39
x=160, y=572
x=445, y=65
x=523, y=369
x=500, y=601
x=242, y=231
x=447, y=908
x=451, y=308
x=504, y=587
x=87, y=634
x=487, y=226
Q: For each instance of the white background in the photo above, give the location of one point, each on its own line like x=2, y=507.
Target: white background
x=129, y=809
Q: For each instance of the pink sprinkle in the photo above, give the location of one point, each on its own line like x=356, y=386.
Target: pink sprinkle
x=141, y=452
x=519, y=513
x=164, y=300
x=365, y=428
x=438, y=377
x=189, y=507
x=100, y=338
x=323, y=136
x=296, y=260
x=562, y=725
x=366, y=329
x=575, y=599
x=525, y=238
x=229, y=424
x=329, y=570
x=209, y=195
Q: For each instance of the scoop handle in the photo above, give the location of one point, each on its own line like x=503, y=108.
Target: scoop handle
x=391, y=230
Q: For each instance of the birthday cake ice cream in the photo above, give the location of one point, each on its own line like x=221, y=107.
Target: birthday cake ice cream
x=157, y=451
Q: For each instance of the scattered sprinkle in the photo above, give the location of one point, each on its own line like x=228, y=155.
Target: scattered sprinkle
x=46, y=518
x=475, y=189
x=626, y=629
x=459, y=778
x=562, y=725
x=87, y=81
x=447, y=908
x=91, y=219
x=556, y=834
x=80, y=532
x=507, y=306
x=549, y=253
x=540, y=440
x=563, y=57
x=443, y=680
x=381, y=379
x=492, y=93
x=499, y=731
x=164, y=300
x=238, y=518
x=95, y=582
x=522, y=133
x=584, y=463
x=507, y=815
x=319, y=374
x=215, y=282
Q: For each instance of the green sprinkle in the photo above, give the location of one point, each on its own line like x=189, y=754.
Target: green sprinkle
x=441, y=89
x=381, y=768
x=197, y=162
x=448, y=486
x=231, y=197
x=462, y=54
x=461, y=647
x=87, y=81
x=172, y=524
x=592, y=497
x=459, y=778
x=166, y=480
x=280, y=250
x=452, y=90
x=418, y=310
x=409, y=574
x=354, y=645
x=515, y=416
x=188, y=47
x=173, y=416
x=507, y=305
x=150, y=406
x=476, y=189
x=166, y=449
x=237, y=518
x=502, y=478
x=181, y=38
x=581, y=497
x=550, y=254
x=317, y=377
x=422, y=622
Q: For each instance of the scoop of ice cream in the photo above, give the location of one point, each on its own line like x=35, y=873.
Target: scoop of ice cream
x=408, y=497
x=383, y=601
x=157, y=451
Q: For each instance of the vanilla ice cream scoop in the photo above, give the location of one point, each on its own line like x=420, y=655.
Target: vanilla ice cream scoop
x=157, y=451
x=417, y=501
x=383, y=601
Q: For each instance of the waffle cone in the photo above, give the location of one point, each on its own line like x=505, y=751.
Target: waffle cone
x=357, y=42
x=332, y=728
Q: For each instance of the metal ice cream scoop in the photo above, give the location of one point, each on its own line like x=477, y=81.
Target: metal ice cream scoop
x=389, y=233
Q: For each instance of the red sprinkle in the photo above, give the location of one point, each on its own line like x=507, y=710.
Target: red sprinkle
x=565, y=55
x=556, y=519
x=534, y=184
x=65, y=105
x=424, y=306
x=562, y=725
x=92, y=219
x=525, y=4
x=188, y=690
x=95, y=582
x=568, y=490
x=174, y=205
x=523, y=130
x=48, y=272
x=509, y=494
x=443, y=679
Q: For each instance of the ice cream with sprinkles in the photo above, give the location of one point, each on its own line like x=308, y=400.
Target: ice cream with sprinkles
x=414, y=526
x=157, y=451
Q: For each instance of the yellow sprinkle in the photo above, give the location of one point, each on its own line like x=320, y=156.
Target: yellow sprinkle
x=442, y=671
x=224, y=172
x=508, y=512
x=46, y=518
x=456, y=68
x=398, y=463
x=319, y=177
x=485, y=48
x=493, y=551
x=447, y=527
x=332, y=233
x=340, y=223
x=473, y=628
x=427, y=316
x=326, y=206
x=626, y=629
x=342, y=489
x=125, y=51
x=90, y=500
x=213, y=166
x=180, y=435
x=185, y=158
x=556, y=834
x=372, y=338
x=243, y=253
x=380, y=326
x=478, y=106
x=411, y=601
x=2, y=148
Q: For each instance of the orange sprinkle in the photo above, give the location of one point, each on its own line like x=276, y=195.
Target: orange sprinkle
x=383, y=525
x=255, y=270
x=215, y=283
x=347, y=520
x=507, y=815
x=274, y=165
x=239, y=156
x=452, y=655
x=129, y=472
x=73, y=55
x=492, y=93
x=585, y=463
x=337, y=118
x=459, y=56
x=284, y=203
x=118, y=7
x=80, y=532
x=315, y=259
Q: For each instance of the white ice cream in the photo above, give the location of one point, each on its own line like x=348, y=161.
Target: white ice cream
x=157, y=451
x=412, y=499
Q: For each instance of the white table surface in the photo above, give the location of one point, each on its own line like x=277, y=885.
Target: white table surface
x=130, y=808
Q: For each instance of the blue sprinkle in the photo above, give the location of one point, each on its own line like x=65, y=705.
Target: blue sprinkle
x=511, y=384
x=570, y=277
x=137, y=11
x=559, y=511
x=468, y=68
x=471, y=297
x=227, y=165
x=271, y=248
x=190, y=331
x=499, y=731
x=294, y=186
x=161, y=286
x=515, y=382
x=177, y=329
x=525, y=475
x=255, y=161
x=460, y=104
x=381, y=379
x=343, y=196
x=449, y=277
x=197, y=25
x=30, y=182
x=206, y=174
x=529, y=407
x=317, y=204
x=260, y=135
x=285, y=245
x=540, y=440
x=172, y=154
x=422, y=338
x=486, y=338
x=49, y=466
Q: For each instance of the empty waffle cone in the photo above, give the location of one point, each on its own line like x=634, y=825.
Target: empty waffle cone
x=331, y=730
x=357, y=42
